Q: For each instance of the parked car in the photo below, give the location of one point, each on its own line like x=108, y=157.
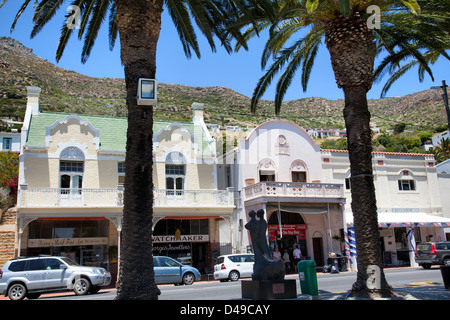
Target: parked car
x=234, y=266
x=168, y=270
x=31, y=276
x=433, y=253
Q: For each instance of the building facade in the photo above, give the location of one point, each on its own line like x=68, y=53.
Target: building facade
x=306, y=194
x=71, y=188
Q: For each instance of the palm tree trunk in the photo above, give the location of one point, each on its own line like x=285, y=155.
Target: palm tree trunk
x=371, y=281
x=139, y=24
x=352, y=52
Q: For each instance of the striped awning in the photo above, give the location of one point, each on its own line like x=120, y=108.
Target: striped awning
x=405, y=219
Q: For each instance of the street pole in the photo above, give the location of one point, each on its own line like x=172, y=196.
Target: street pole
x=445, y=97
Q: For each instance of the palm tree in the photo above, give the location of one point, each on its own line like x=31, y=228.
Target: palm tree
x=138, y=24
x=295, y=36
x=439, y=12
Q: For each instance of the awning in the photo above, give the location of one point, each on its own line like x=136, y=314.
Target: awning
x=405, y=219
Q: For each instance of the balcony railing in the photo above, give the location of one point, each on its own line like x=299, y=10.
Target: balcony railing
x=83, y=197
x=294, y=190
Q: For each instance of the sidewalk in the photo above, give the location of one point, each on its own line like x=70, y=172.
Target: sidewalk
x=415, y=291
x=420, y=291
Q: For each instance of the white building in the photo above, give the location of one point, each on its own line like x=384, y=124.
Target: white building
x=280, y=169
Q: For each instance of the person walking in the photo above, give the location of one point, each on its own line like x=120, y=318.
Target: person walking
x=297, y=256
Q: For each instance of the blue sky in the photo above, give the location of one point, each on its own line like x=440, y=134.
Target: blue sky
x=238, y=71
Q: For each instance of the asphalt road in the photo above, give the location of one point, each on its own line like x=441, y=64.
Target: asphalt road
x=329, y=284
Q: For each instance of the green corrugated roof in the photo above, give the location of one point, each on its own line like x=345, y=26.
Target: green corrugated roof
x=113, y=130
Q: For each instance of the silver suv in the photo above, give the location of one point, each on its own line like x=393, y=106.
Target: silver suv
x=433, y=253
x=31, y=276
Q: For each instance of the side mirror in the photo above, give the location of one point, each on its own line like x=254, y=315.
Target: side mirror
x=62, y=266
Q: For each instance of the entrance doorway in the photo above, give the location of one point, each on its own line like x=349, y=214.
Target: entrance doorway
x=294, y=232
x=318, y=251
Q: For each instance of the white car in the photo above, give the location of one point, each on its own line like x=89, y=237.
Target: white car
x=234, y=266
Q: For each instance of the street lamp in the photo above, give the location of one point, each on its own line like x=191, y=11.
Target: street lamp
x=445, y=97
x=147, y=92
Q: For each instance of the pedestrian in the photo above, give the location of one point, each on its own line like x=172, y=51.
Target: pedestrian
x=297, y=256
x=276, y=254
x=287, y=261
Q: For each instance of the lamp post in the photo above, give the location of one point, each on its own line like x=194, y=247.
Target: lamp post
x=147, y=92
x=445, y=97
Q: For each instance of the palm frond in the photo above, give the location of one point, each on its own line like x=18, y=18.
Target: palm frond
x=180, y=17
x=98, y=15
x=43, y=13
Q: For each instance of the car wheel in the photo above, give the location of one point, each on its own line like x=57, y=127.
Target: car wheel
x=426, y=266
x=188, y=278
x=81, y=286
x=234, y=275
x=17, y=291
x=446, y=262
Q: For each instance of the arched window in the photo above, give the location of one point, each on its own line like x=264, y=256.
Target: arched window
x=175, y=173
x=71, y=170
x=266, y=170
x=298, y=171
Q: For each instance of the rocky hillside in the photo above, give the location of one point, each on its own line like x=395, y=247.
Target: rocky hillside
x=67, y=91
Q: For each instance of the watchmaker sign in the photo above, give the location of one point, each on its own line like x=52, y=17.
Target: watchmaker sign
x=181, y=238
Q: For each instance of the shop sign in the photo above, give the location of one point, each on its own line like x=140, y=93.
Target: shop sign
x=61, y=242
x=167, y=248
x=288, y=230
x=181, y=238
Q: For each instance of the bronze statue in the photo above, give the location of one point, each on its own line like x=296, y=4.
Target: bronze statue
x=265, y=268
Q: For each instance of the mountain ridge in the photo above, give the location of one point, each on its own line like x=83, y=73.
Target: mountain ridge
x=68, y=91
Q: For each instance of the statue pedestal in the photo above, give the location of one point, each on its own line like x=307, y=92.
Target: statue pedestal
x=269, y=289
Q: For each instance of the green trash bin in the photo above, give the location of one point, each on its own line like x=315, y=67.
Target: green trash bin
x=308, y=277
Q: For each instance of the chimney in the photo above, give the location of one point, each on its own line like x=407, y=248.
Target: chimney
x=197, y=109
x=33, y=99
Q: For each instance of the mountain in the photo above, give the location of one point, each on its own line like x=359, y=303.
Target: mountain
x=67, y=91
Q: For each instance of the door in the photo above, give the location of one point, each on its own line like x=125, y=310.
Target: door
x=318, y=251
x=34, y=274
x=247, y=262
x=54, y=275
x=71, y=189
x=298, y=176
x=170, y=270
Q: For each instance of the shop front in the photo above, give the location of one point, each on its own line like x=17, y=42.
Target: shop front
x=185, y=240
x=402, y=230
x=84, y=240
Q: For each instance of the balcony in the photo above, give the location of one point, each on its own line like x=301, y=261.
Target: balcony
x=84, y=197
x=296, y=192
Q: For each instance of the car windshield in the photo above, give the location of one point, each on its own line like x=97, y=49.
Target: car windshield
x=69, y=262
x=424, y=246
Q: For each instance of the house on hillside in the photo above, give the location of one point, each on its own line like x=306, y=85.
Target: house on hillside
x=10, y=141
x=71, y=188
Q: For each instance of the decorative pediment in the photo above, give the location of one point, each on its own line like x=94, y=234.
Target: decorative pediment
x=65, y=121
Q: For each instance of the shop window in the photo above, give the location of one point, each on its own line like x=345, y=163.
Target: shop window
x=406, y=185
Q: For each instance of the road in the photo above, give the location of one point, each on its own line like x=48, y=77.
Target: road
x=215, y=290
